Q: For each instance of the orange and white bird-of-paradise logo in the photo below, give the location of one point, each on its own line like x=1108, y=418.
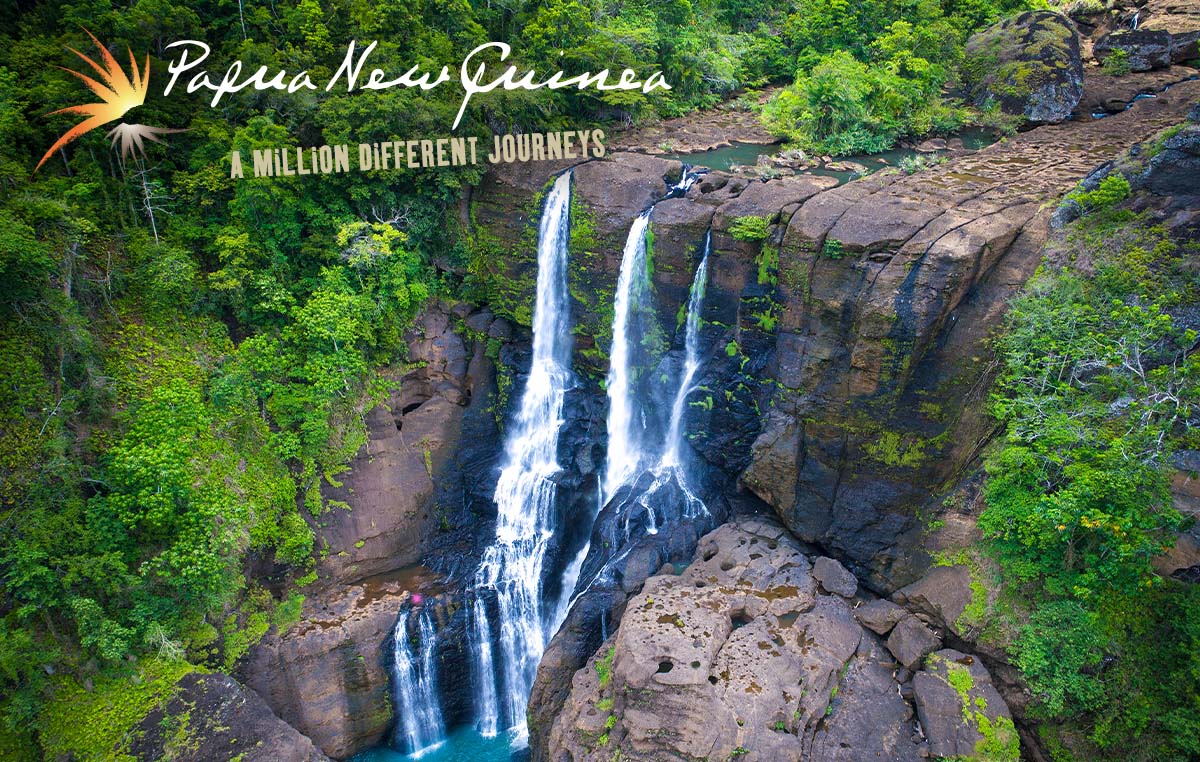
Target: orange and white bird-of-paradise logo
x=118, y=94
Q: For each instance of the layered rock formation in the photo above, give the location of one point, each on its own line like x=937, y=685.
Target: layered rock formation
x=747, y=654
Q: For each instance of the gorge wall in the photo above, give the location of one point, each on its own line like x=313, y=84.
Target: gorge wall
x=847, y=364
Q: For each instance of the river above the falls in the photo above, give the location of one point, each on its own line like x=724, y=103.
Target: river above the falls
x=746, y=154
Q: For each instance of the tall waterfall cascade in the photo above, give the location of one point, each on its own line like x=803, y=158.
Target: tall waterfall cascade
x=419, y=726
x=513, y=567
x=629, y=451
x=511, y=621
x=625, y=420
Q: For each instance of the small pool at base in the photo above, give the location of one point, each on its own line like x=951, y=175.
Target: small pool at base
x=461, y=745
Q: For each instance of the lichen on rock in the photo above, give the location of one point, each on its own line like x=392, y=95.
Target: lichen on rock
x=1029, y=65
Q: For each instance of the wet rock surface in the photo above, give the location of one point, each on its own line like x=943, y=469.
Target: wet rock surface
x=741, y=655
x=1107, y=94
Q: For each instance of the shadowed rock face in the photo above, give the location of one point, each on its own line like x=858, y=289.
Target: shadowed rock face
x=413, y=437
x=742, y=655
x=1029, y=65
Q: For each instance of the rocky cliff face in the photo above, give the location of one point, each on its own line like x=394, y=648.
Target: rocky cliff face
x=415, y=493
x=847, y=356
x=758, y=651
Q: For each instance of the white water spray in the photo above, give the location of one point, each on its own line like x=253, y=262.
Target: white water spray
x=513, y=566
x=419, y=726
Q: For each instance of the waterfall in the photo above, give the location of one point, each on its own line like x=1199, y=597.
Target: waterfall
x=626, y=418
x=691, y=363
x=414, y=676
x=625, y=421
x=670, y=470
x=513, y=565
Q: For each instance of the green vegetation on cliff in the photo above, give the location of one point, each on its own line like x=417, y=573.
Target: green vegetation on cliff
x=1099, y=387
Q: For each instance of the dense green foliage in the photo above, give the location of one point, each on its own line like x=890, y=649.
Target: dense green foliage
x=184, y=359
x=1100, y=385
x=867, y=74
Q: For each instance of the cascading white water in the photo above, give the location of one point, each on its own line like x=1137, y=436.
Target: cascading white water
x=525, y=496
x=670, y=468
x=691, y=362
x=420, y=727
x=626, y=418
x=625, y=422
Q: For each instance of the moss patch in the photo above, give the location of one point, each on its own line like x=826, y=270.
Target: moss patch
x=98, y=725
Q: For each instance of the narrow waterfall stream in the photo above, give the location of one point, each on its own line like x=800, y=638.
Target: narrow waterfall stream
x=419, y=724
x=514, y=565
x=626, y=418
x=671, y=464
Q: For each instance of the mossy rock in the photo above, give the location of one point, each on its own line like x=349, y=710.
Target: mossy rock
x=1027, y=66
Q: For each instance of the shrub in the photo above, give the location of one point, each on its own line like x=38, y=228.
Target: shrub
x=749, y=228
x=832, y=249
x=1117, y=63
x=1112, y=190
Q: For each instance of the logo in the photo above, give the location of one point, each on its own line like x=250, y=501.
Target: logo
x=118, y=94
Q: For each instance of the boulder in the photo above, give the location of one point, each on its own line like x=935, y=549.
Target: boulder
x=880, y=615
x=911, y=641
x=1145, y=49
x=1176, y=167
x=961, y=712
x=1030, y=65
x=834, y=577
x=941, y=595
x=210, y=717
x=738, y=656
